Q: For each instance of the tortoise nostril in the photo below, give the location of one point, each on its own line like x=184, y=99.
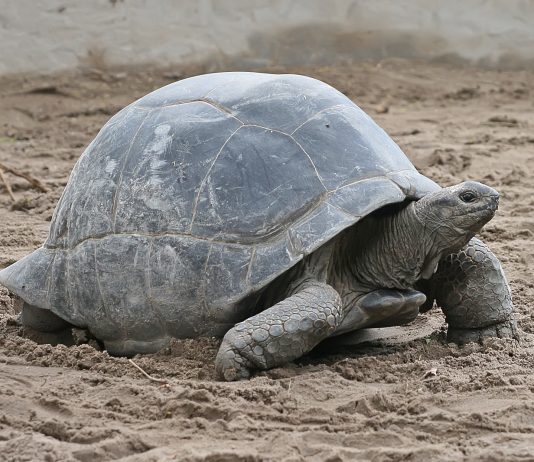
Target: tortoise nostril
x=494, y=197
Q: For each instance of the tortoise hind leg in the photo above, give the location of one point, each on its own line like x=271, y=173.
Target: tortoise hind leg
x=41, y=320
x=43, y=326
x=132, y=347
x=471, y=289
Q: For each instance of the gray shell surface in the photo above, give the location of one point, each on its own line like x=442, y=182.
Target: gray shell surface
x=201, y=193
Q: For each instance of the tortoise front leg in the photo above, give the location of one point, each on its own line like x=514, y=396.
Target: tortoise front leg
x=471, y=289
x=281, y=333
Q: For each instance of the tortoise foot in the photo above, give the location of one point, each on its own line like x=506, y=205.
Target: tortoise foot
x=506, y=329
x=230, y=365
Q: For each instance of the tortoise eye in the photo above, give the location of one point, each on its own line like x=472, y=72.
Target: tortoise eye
x=468, y=196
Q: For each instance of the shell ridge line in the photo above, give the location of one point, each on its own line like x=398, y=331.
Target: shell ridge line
x=207, y=259
x=217, y=87
x=296, y=142
x=68, y=217
x=204, y=284
x=317, y=113
x=150, y=235
x=67, y=257
x=212, y=103
x=220, y=107
x=341, y=209
x=101, y=292
x=375, y=177
x=97, y=277
x=121, y=172
x=49, y=279
x=266, y=128
x=311, y=162
x=249, y=269
x=205, y=179
x=295, y=250
x=79, y=214
x=223, y=242
x=148, y=281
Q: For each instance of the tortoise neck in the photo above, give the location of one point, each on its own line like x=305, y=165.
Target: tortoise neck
x=388, y=251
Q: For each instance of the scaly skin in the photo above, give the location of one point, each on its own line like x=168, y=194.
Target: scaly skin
x=471, y=288
x=382, y=308
x=281, y=333
x=366, y=277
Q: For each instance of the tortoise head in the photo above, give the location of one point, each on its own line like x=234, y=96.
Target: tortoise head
x=453, y=215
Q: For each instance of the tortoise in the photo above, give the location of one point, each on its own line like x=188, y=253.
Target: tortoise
x=266, y=209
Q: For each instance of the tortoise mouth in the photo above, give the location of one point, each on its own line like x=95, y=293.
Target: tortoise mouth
x=487, y=208
x=483, y=215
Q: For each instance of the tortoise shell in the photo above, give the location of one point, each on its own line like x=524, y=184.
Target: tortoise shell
x=201, y=193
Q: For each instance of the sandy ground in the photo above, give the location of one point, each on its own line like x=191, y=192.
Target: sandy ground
x=415, y=401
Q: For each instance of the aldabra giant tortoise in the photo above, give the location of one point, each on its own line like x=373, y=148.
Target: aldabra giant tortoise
x=268, y=209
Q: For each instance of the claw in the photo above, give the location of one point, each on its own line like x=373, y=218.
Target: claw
x=229, y=364
x=507, y=329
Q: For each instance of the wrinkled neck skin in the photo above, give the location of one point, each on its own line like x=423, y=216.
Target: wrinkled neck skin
x=390, y=251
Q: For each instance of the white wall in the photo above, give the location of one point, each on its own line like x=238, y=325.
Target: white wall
x=50, y=35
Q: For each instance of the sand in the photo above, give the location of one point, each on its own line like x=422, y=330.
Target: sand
x=415, y=400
